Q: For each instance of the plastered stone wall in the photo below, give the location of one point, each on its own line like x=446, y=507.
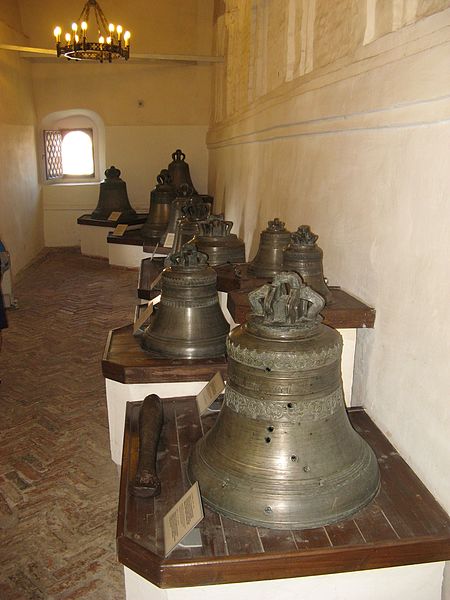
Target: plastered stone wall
x=20, y=199
x=353, y=140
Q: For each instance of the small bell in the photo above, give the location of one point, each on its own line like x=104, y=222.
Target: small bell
x=305, y=257
x=282, y=453
x=188, y=321
x=269, y=258
x=113, y=197
x=216, y=240
x=179, y=170
x=161, y=198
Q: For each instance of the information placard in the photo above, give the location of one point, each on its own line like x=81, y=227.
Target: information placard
x=168, y=242
x=182, y=518
x=120, y=229
x=209, y=393
x=114, y=216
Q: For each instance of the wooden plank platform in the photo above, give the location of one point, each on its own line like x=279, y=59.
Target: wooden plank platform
x=88, y=220
x=236, y=277
x=151, y=246
x=403, y=525
x=126, y=362
x=345, y=312
x=131, y=237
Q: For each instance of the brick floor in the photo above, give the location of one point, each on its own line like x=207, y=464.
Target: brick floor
x=58, y=485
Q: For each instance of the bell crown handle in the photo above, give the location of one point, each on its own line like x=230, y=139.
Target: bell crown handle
x=304, y=236
x=112, y=173
x=276, y=225
x=215, y=226
x=178, y=155
x=287, y=301
x=164, y=177
x=185, y=190
x=189, y=256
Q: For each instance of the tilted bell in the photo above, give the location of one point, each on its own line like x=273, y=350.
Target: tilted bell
x=161, y=198
x=179, y=170
x=282, y=453
x=305, y=257
x=216, y=240
x=193, y=211
x=269, y=258
x=113, y=197
x=188, y=321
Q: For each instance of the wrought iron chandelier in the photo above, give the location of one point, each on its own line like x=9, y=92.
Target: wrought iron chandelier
x=110, y=46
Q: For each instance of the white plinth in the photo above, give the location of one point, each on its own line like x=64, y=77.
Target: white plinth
x=127, y=255
x=93, y=240
x=412, y=582
x=118, y=394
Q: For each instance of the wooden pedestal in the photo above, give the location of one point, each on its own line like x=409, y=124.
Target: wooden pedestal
x=404, y=525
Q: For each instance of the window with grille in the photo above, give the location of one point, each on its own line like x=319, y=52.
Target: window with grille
x=69, y=153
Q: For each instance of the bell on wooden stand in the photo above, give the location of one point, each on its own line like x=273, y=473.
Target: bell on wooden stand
x=215, y=239
x=193, y=211
x=188, y=321
x=179, y=170
x=183, y=194
x=269, y=258
x=305, y=257
x=161, y=198
x=282, y=453
x=113, y=197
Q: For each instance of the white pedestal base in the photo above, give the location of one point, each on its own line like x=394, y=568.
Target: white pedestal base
x=123, y=255
x=412, y=582
x=93, y=240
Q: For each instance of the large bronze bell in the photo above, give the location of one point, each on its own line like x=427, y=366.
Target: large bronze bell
x=269, y=258
x=179, y=170
x=282, y=453
x=305, y=257
x=215, y=239
x=161, y=198
x=113, y=197
x=188, y=321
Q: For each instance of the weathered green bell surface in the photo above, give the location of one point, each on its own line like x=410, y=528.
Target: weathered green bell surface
x=188, y=321
x=161, y=199
x=282, y=453
x=304, y=256
x=269, y=257
x=113, y=197
x=215, y=239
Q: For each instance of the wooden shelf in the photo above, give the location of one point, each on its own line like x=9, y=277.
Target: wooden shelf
x=151, y=246
x=236, y=277
x=88, y=220
x=129, y=238
x=345, y=312
x=125, y=361
x=403, y=525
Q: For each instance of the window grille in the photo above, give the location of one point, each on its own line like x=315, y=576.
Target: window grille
x=53, y=158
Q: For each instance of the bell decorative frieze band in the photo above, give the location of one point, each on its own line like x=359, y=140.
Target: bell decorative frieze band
x=216, y=240
x=269, y=258
x=282, y=453
x=113, y=197
x=161, y=199
x=188, y=321
x=305, y=257
x=179, y=171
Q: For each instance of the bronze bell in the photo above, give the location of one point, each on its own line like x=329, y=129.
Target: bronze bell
x=216, y=240
x=193, y=211
x=113, y=197
x=188, y=321
x=305, y=257
x=282, y=453
x=161, y=198
x=179, y=170
x=269, y=258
